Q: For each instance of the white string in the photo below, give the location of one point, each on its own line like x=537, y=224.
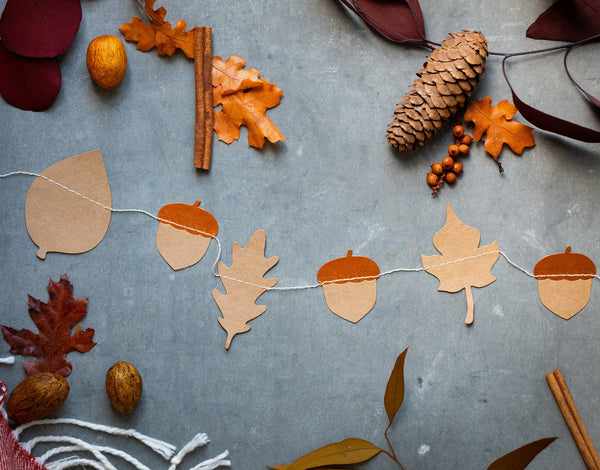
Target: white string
x=7, y=360
x=291, y=288
x=211, y=464
x=73, y=462
x=197, y=441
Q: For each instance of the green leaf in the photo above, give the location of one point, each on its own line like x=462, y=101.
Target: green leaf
x=347, y=452
x=394, y=392
x=519, y=459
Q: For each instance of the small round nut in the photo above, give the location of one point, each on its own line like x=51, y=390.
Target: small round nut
x=123, y=386
x=447, y=163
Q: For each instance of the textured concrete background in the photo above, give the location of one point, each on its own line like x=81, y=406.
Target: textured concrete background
x=302, y=377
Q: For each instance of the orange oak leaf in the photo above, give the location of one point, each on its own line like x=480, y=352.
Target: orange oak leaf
x=498, y=126
x=228, y=77
x=54, y=320
x=160, y=33
x=463, y=263
x=246, y=107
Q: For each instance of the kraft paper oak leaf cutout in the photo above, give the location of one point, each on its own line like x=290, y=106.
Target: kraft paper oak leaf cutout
x=498, y=126
x=244, y=283
x=230, y=76
x=54, y=320
x=463, y=263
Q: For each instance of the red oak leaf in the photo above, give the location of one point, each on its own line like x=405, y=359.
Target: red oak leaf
x=54, y=320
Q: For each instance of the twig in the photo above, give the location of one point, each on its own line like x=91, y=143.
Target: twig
x=204, y=97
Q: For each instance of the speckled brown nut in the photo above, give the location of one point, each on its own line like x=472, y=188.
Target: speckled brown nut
x=123, y=386
x=37, y=396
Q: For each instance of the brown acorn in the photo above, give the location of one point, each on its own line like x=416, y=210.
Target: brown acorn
x=123, y=386
x=36, y=397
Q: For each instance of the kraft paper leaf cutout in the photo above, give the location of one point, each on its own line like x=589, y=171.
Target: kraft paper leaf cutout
x=40, y=28
x=463, y=263
x=394, y=391
x=349, y=286
x=54, y=320
x=184, y=233
x=519, y=459
x=498, y=126
x=246, y=107
x=244, y=283
x=399, y=21
x=57, y=219
x=565, y=282
x=229, y=77
x=159, y=34
x=567, y=20
x=28, y=83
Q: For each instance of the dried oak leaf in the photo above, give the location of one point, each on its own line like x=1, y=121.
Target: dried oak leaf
x=167, y=39
x=498, y=126
x=247, y=107
x=54, y=320
x=229, y=77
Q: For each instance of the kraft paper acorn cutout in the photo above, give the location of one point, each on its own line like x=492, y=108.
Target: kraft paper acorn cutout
x=349, y=285
x=72, y=220
x=565, y=282
x=184, y=233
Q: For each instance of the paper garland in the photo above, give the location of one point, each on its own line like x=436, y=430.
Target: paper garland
x=68, y=210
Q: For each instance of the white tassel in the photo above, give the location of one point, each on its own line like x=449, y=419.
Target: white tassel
x=197, y=441
x=218, y=461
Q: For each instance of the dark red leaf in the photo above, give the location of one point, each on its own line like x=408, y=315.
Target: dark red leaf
x=551, y=123
x=567, y=20
x=28, y=83
x=40, y=28
x=396, y=20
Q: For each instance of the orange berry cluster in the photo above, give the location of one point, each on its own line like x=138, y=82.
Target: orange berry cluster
x=449, y=168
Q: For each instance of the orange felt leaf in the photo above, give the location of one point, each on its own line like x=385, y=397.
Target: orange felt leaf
x=228, y=77
x=159, y=34
x=247, y=107
x=498, y=126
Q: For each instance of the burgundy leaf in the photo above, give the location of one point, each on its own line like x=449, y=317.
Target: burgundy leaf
x=28, y=83
x=551, y=123
x=396, y=20
x=40, y=28
x=567, y=20
x=592, y=99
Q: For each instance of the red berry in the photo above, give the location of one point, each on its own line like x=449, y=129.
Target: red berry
x=466, y=139
x=437, y=168
x=450, y=177
x=454, y=150
x=464, y=149
x=458, y=131
x=447, y=163
x=432, y=179
x=457, y=168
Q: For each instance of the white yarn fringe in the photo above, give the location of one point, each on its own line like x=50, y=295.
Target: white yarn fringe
x=218, y=461
x=7, y=360
x=197, y=441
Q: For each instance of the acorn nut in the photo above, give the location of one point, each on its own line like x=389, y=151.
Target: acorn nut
x=123, y=386
x=36, y=397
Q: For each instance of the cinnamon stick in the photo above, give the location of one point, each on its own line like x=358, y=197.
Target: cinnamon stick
x=204, y=97
x=573, y=419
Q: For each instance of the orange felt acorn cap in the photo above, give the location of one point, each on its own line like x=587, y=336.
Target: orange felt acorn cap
x=348, y=267
x=189, y=217
x=568, y=264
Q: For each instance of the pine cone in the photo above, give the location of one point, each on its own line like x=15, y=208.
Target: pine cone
x=445, y=83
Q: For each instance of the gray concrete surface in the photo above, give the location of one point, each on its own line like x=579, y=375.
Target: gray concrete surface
x=302, y=377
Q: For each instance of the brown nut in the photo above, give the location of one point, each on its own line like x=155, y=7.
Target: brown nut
x=123, y=386
x=37, y=396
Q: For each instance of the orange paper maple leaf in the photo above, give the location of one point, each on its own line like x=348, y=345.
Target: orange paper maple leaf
x=243, y=104
x=498, y=126
x=159, y=34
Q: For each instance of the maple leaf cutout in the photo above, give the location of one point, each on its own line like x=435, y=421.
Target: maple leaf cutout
x=498, y=126
x=244, y=283
x=159, y=34
x=54, y=320
x=246, y=106
x=463, y=263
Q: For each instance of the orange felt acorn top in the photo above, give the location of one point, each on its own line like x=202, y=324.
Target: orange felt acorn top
x=347, y=268
x=189, y=217
x=567, y=263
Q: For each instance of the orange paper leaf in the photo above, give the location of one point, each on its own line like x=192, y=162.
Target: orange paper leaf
x=498, y=126
x=394, y=392
x=159, y=34
x=245, y=107
x=463, y=263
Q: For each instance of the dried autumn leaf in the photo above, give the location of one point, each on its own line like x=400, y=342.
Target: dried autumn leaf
x=463, y=263
x=160, y=33
x=247, y=107
x=394, y=392
x=498, y=126
x=567, y=20
x=54, y=320
x=346, y=452
x=519, y=459
x=244, y=283
x=228, y=77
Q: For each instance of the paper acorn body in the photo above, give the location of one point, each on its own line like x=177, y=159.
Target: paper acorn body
x=349, y=285
x=184, y=233
x=565, y=282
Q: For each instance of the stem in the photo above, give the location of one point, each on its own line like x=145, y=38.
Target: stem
x=547, y=49
x=470, y=305
x=391, y=454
